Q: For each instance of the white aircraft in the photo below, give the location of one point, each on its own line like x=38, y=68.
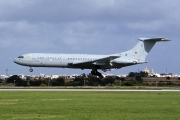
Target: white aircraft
x=134, y=56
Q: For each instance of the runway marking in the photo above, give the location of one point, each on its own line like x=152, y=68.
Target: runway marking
x=105, y=90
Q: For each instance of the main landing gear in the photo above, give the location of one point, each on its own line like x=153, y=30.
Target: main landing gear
x=96, y=73
x=30, y=70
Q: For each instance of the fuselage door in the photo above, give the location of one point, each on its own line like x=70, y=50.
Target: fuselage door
x=28, y=57
x=64, y=58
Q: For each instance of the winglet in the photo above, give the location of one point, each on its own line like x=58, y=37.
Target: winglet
x=154, y=39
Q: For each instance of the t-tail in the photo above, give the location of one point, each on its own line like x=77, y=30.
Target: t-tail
x=141, y=50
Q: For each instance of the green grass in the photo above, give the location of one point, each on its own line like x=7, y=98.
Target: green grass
x=24, y=105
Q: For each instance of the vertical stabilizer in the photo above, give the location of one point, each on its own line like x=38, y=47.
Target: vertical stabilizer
x=142, y=48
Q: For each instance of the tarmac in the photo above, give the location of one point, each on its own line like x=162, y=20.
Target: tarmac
x=92, y=89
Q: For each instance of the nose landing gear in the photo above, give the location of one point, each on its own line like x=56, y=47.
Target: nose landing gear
x=30, y=70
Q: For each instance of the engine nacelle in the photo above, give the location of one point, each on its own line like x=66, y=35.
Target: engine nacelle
x=125, y=61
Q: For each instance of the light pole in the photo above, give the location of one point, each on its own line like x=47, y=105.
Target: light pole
x=49, y=81
x=14, y=83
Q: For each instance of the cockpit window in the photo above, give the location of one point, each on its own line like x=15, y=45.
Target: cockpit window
x=21, y=57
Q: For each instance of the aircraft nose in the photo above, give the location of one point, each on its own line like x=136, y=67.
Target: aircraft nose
x=15, y=60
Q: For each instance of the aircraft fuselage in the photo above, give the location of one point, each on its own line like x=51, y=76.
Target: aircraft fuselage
x=68, y=61
x=133, y=56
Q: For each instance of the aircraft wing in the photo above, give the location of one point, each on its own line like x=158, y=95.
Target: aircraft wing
x=100, y=61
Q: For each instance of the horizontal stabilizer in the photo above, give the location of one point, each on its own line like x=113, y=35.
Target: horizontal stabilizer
x=154, y=39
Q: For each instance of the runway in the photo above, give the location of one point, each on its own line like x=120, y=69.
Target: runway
x=90, y=89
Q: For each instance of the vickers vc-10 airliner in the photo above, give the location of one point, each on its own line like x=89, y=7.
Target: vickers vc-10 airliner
x=133, y=56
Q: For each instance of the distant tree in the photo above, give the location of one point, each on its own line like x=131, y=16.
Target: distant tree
x=79, y=80
x=17, y=80
x=117, y=78
x=122, y=79
x=128, y=84
x=143, y=74
x=138, y=78
x=83, y=75
x=46, y=81
x=132, y=74
x=93, y=81
x=58, y=82
x=35, y=82
x=109, y=80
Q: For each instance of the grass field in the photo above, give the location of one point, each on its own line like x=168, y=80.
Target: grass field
x=24, y=105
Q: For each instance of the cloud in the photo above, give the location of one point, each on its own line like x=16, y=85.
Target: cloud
x=85, y=26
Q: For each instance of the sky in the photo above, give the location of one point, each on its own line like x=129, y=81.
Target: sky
x=89, y=27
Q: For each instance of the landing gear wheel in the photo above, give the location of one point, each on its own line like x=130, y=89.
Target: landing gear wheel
x=30, y=70
x=93, y=72
x=96, y=73
x=99, y=74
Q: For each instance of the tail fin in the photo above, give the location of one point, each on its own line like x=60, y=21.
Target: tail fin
x=142, y=48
